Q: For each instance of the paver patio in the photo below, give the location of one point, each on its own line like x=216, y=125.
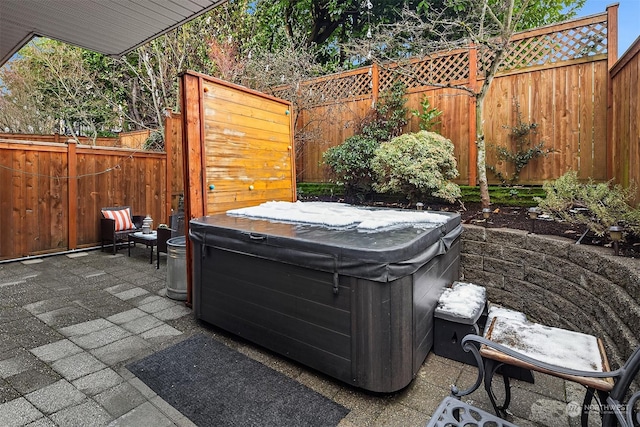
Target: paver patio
x=69, y=324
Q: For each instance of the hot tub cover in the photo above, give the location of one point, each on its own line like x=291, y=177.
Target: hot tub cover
x=381, y=255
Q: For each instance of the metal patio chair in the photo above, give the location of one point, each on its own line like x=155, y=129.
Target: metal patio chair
x=616, y=403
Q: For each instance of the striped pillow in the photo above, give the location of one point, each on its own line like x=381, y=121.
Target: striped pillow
x=122, y=218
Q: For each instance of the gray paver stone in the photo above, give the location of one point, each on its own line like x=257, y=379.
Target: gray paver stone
x=142, y=324
x=7, y=392
x=100, y=338
x=78, y=365
x=131, y=293
x=118, y=288
x=86, y=414
x=142, y=388
x=46, y=305
x=15, y=365
x=56, y=350
x=126, y=316
x=85, y=328
x=156, y=306
x=32, y=261
x=120, y=399
x=66, y=316
x=18, y=412
x=55, y=397
x=172, y=313
x=161, y=332
x=42, y=422
x=77, y=255
x=122, y=350
x=144, y=415
x=33, y=379
x=148, y=300
x=98, y=382
x=172, y=413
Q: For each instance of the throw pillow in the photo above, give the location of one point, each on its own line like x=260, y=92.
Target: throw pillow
x=122, y=217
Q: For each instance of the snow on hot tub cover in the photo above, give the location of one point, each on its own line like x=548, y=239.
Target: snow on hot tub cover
x=337, y=215
x=382, y=254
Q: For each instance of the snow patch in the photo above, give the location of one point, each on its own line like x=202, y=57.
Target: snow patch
x=504, y=313
x=462, y=300
x=338, y=215
x=560, y=347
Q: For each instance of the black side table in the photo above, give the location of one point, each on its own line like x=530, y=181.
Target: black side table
x=150, y=240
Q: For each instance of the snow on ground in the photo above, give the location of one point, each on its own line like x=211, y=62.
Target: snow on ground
x=556, y=346
x=338, y=215
x=462, y=300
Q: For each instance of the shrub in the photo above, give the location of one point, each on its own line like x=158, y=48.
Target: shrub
x=351, y=160
x=351, y=163
x=389, y=115
x=417, y=165
x=429, y=117
x=598, y=206
x=525, y=151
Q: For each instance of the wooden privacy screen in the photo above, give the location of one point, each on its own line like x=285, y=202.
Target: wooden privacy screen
x=237, y=146
x=237, y=149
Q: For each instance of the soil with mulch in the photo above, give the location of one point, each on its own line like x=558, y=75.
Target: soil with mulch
x=512, y=217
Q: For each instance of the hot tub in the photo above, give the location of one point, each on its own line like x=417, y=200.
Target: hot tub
x=357, y=306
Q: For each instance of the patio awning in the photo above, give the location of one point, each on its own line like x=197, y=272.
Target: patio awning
x=111, y=27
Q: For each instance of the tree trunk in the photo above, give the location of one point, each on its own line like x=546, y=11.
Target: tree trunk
x=482, y=151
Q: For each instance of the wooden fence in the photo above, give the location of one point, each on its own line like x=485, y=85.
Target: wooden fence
x=557, y=74
x=53, y=188
x=133, y=139
x=51, y=194
x=625, y=118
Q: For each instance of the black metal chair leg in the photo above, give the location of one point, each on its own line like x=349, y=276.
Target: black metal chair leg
x=491, y=366
x=586, y=407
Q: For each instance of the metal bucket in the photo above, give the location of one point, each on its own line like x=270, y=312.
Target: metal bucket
x=177, y=268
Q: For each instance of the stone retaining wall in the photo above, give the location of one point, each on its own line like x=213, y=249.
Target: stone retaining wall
x=558, y=283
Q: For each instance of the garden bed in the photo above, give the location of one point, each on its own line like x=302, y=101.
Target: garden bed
x=505, y=216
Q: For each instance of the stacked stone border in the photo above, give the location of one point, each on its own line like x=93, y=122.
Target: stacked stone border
x=558, y=283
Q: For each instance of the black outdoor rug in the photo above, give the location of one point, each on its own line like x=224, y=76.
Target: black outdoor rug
x=213, y=385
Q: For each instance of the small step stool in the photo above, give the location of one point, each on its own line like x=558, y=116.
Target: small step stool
x=459, y=313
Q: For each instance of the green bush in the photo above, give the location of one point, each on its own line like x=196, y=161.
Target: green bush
x=429, y=117
x=596, y=205
x=389, y=115
x=351, y=160
x=351, y=164
x=417, y=165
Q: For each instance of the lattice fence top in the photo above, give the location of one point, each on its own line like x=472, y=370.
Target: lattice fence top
x=582, y=38
x=442, y=69
x=329, y=89
x=553, y=47
x=341, y=87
